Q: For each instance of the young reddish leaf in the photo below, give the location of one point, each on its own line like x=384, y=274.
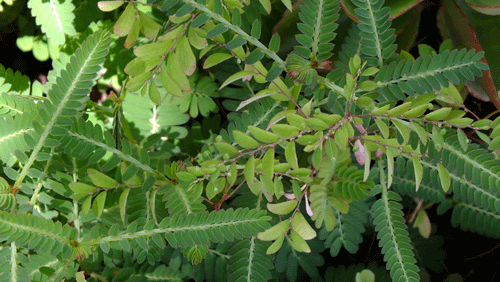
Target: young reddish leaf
x=107, y=6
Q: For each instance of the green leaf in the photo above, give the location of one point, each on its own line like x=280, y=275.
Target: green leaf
x=216, y=59
x=86, y=205
x=439, y=114
x=298, y=243
x=302, y=227
x=268, y=163
x=122, y=203
x=275, y=246
x=177, y=76
x=274, y=44
x=255, y=31
x=187, y=60
x=263, y=135
x=154, y=94
x=236, y=76
x=274, y=72
x=140, y=65
x=382, y=126
x=444, y=177
x=399, y=110
x=266, y=4
x=218, y=29
x=282, y=208
x=244, y=140
x=285, y=130
x=225, y=148
x=149, y=27
x=291, y=155
x=232, y=174
x=462, y=139
x=250, y=171
x=255, y=56
x=274, y=232
x=98, y=204
x=418, y=171
x=81, y=188
x=200, y=20
x=236, y=42
x=100, y=179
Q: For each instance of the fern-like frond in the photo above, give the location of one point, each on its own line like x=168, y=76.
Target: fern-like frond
x=11, y=104
x=200, y=228
x=348, y=231
x=55, y=17
x=37, y=233
x=377, y=38
x=178, y=199
x=404, y=181
x=12, y=133
x=7, y=198
x=474, y=174
x=318, y=23
x=429, y=73
x=249, y=262
x=390, y=224
x=68, y=96
x=476, y=219
x=14, y=82
x=348, y=183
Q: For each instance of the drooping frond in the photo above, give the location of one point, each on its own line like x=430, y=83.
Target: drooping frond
x=348, y=231
x=394, y=241
x=318, y=23
x=55, y=17
x=429, y=73
x=249, y=262
x=46, y=236
x=476, y=219
x=377, y=38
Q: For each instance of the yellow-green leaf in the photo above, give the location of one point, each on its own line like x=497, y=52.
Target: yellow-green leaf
x=439, y=114
x=225, y=148
x=418, y=171
x=98, y=204
x=81, y=188
x=142, y=64
x=316, y=124
x=158, y=48
x=86, y=205
x=216, y=59
x=237, y=76
x=298, y=243
x=149, y=27
x=284, y=130
x=232, y=174
x=291, y=155
x=177, y=76
x=187, y=60
x=244, y=140
x=250, y=170
x=169, y=84
x=263, y=135
x=283, y=207
x=275, y=246
x=302, y=227
x=423, y=224
x=399, y=110
x=123, y=203
x=444, y=177
x=124, y=24
x=266, y=4
x=154, y=94
x=275, y=232
x=100, y=179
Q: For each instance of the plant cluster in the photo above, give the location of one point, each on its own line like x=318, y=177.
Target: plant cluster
x=312, y=147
